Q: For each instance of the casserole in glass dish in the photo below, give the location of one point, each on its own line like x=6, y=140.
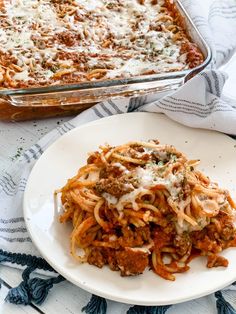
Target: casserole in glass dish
x=77, y=53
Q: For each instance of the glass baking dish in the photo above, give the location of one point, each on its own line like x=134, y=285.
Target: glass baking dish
x=88, y=93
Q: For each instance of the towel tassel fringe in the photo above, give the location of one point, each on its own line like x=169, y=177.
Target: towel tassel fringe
x=96, y=305
x=30, y=289
x=223, y=307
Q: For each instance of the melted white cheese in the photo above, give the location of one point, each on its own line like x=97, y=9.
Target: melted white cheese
x=121, y=167
x=184, y=226
x=148, y=179
x=22, y=76
x=111, y=200
x=130, y=198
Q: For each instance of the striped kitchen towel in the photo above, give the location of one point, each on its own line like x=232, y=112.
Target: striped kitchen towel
x=199, y=103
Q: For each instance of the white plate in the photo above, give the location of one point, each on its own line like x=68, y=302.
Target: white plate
x=62, y=160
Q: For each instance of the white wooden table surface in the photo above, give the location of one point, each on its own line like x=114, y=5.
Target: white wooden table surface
x=15, y=138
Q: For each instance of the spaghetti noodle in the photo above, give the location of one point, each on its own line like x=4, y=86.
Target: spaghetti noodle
x=143, y=204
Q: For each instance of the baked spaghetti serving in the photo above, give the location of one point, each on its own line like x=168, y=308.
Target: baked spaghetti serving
x=51, y=42
x=144, y=204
